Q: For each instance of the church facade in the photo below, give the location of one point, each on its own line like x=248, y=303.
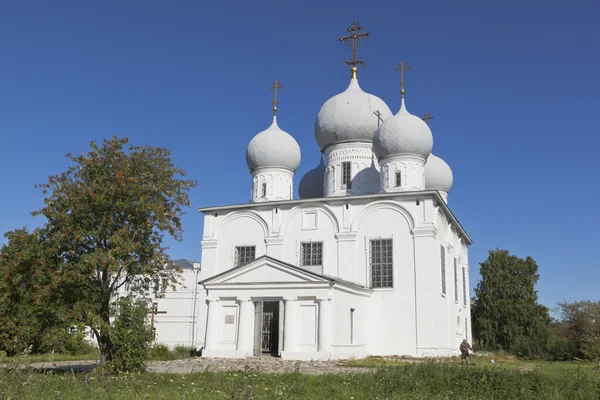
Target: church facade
x=368, y=261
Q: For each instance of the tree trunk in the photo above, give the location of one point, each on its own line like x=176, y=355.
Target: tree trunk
x=104, y=342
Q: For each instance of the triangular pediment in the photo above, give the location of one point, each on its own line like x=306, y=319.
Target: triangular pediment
x=266, y=270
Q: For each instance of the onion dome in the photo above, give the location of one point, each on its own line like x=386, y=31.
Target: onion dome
x=403, y=134
x=351, y=116
x=312, y=183
x=273, y=148
x=438, y=175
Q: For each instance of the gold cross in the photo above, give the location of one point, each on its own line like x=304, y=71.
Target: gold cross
x=275, y=87
x=402, y=67
x=427, y=117
x=355, y=38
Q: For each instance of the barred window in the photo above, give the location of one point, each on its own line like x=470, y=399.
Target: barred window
x=264, y=190
x=346, y=176
x=464, y=276
x=398, y=178
x=244, y=254
x=311, y=254
x=455, y=281
x=443, y=264
x=381, y=263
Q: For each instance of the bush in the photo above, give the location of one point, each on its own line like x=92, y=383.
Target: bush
x=160, y=352
x=130, y=336
x=181, y=351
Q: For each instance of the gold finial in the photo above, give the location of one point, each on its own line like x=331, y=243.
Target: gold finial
x=402, y=67
x=353, y=40
x=426, y=117
x=275, y=87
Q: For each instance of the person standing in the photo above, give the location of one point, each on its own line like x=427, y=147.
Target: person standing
x=464, y=351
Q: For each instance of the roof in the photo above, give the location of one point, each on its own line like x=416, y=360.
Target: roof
x=290, y=266
x=345, y=199
x=183, y=263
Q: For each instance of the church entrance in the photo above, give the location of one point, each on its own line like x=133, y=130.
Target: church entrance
x=268, y=326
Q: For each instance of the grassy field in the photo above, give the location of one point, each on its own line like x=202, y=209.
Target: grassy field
x=395, y=380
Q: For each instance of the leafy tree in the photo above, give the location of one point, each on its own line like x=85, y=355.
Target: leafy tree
x=106, y=219
x=506, y=314
x=32, y=314
x=131, y=335
x=577, y=332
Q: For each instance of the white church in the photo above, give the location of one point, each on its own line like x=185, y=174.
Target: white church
x=369, y=261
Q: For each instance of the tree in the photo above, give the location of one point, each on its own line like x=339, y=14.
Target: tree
x=577, y=332
x=106, y=220
x=31, y=314
x=506, y=314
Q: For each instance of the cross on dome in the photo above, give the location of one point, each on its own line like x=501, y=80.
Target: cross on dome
x=402, y=67
x=275, y=87
x=353, y=41
x=426, y=117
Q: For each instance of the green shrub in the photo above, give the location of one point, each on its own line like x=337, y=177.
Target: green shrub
x=130, y=336
x=180, y=351
x=160, y=352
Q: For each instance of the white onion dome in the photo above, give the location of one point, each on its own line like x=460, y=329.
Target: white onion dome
x=438, y=175
x=312, y=183
x=403, y=134
x=273, y=148
x=351, y=116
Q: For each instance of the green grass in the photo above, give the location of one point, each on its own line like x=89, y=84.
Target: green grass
x=33, y=358
x=403, y=381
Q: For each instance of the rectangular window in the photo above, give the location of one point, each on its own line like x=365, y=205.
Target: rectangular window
x=346, y=175
x=464, y=276
x=443, y=265
x=311, y=254
x=264, y=190
x=381, y=263
x=398, y=179
x=455, y=282
x=244, y=254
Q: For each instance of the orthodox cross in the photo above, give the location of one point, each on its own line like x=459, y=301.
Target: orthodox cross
x=427, y=117
x=402, y=67
x=275, y=87
x=379, y=117
x=353, y=40
x=154, y=311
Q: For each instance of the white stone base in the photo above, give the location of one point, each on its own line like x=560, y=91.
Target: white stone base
x=345, y=352
x=226, y=354
x=305, y=355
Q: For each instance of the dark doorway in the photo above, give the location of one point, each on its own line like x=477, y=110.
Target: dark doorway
x=270, y=328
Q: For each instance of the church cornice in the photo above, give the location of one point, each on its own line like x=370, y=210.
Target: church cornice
x=417, y=194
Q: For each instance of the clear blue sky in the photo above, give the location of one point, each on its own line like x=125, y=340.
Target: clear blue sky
x=513, y=85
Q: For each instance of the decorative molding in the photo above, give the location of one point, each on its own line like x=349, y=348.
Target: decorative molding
x=346, y=236
x=276, y=241
x=424, y=231
x=384, y=204
x=209, y=244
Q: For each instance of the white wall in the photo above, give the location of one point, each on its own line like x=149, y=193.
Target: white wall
x=413, y=317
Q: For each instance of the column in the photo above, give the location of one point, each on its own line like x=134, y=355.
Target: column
x=290, y=328
x=325, y=325
x=245, y=339
x=212, y=325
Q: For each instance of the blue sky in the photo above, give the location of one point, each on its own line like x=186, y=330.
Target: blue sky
x=513, y=86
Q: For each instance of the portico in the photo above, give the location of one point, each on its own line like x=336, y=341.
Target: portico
x=268, y=307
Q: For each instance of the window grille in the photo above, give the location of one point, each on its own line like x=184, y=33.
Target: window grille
x=398, y=179
x=381, y=267
x=244, y=254
x=346, y=175
x=311, y=254
x=455, y=281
